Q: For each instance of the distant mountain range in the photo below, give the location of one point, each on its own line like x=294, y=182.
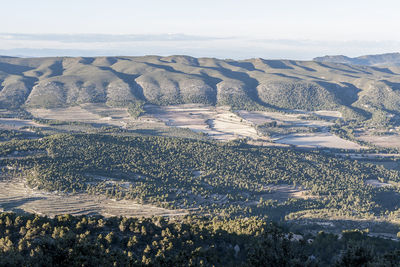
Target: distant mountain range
x=389, y=59
x=358, y=91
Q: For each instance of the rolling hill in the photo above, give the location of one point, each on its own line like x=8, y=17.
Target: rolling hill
x=357, y=91
x=388, y=59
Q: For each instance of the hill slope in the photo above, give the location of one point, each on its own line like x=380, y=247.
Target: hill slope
x=246, y=84
x=389, y=59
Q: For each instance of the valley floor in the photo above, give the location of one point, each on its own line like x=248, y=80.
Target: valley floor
x=297, y=128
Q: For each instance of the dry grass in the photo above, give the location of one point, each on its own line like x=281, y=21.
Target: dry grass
x=284, y=191
x=88, y=113
x=390, y=141
x=221, y=124
x=16, y=196
x=311, y=140
x=16, y=124
x=217, y=122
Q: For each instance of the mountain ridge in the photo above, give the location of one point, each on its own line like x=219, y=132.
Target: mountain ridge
x=241, y=84
x=387, y=59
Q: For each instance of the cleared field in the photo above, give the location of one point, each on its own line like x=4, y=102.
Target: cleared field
x=283, y=192
x=16, y=196
x=230, y=125
x=390, y=141
x=328, y=114
x=221, y=124
x=16, y=124
x=88, y=113
x=316, y=140
x=217, y=122
x=294, y=120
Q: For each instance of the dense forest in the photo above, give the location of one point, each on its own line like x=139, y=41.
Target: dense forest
x=232, y=192
x=31, y=240
x=232, y=179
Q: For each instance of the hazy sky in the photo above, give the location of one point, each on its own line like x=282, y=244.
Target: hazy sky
x=285, y=28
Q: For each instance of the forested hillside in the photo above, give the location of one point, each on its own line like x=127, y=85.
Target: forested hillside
x=96, y=241
x=247, y=84
x=231, y=179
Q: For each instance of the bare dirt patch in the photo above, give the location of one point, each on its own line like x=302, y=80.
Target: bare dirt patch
x=328, y=114
x=298, y=122
x=16, y=124
x=221, y=124
x=217, y=122
x=316, y=140
x=87, y=113
x=16, y=196
x=284, y=191
x=389, y=141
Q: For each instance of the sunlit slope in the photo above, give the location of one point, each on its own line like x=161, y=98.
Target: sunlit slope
x=245, y=84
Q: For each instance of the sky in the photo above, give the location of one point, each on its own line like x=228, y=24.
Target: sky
x=220, y=28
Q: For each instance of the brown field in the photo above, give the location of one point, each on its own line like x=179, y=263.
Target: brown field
x=88, y=113
x=312, y=140
x=16, y=196
x=318, y=139
x=389, y=141
x=292, y=119
x=217, y=122
x=16, y=124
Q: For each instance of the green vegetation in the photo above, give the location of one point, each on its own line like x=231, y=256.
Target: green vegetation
x=31, y=240
x=227, y=179
x=136, y=109
x=254, y=84
x=6, y=135
x=57, y=122
x=272, y=128
x=232, y=190
x=297, y=95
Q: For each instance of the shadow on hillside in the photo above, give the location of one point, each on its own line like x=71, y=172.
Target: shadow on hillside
x=303, y=67
x=347, y=94
x=393, y=85
x=129, y=79
x=11, y=203
x=244, y=65
x=14, y=69
x=385, y=70
x=335, y=68
x=56, y=69
x=276, y=64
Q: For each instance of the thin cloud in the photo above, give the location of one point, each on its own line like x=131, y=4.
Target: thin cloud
x=90, y=38
x=41, y=45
